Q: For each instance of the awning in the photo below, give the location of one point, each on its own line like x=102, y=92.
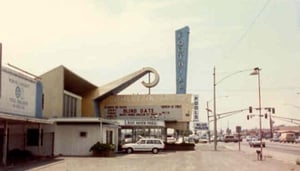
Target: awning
x=12, y=118
x=84, y=120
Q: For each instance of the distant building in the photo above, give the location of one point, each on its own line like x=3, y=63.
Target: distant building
x=285, y=129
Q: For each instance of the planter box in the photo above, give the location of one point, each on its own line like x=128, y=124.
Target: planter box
x=104, y=154
x=179, y=147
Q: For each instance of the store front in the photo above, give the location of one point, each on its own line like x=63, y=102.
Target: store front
x=133, y=130
x=19, y=133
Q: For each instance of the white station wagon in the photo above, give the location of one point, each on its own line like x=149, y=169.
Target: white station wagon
x=145, y=144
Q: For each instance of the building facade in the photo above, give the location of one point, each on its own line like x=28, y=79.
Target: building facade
x=67, y=95
x=21, y=124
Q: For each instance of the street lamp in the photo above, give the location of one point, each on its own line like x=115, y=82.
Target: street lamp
x=215, y=106
x=257, y=72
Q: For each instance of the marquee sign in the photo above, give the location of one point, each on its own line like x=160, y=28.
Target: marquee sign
x=141, y=123
x=159, y=112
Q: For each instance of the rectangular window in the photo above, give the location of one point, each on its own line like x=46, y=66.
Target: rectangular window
x=33, y=137
x=83, y=134
x=70, y=104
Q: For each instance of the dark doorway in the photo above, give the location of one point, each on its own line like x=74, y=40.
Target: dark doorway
x=1, y=143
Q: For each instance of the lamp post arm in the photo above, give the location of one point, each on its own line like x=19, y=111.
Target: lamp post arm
x=232, y=75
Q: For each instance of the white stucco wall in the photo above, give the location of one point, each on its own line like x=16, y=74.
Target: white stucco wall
x=69, y=142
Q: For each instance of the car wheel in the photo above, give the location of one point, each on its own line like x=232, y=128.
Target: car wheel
x=155, y=150
x=129, y=150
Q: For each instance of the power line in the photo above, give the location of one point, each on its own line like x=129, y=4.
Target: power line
x=249, y=27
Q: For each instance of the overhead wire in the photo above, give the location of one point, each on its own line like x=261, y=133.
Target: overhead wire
x=250, y=26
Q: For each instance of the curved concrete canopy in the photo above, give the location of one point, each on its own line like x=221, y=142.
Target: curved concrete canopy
x=156, y=78
x=117, y=86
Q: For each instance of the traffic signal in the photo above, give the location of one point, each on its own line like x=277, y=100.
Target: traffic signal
x=247, y=117
x=273, y=110
x=266, y=116
x=250, y=109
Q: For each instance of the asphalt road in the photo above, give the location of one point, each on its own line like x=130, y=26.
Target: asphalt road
x=288, y=148
x=286, y=152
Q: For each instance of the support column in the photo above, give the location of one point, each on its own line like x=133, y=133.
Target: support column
x=5, y=145
x=40, y=139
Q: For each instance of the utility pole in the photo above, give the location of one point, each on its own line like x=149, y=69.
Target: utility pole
x=215, y=112
x=208, y=110
x=215, y=105
x=257, y=72
x=271, y=126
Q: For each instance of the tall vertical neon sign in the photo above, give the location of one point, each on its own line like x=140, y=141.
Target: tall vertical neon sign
x=182, y=42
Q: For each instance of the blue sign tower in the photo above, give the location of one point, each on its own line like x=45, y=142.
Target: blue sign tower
x=182, y=44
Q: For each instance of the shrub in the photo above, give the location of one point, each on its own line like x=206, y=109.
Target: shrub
x=17, y=156
x=99, y=147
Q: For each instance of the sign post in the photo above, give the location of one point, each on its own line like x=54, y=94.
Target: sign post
x=238, y=130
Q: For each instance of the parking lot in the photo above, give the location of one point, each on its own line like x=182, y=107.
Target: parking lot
x=203, y=158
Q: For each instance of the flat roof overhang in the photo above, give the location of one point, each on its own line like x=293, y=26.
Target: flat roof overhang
x=83, y=121
x=19, y=119
x=76, y=84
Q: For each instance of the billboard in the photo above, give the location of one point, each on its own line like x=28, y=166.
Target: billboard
x=196, y=108
x=182, y=44
x=200, y=126
x=19, y=96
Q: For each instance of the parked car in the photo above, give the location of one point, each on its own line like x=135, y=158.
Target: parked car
x=190, y=140
x=297, y=140
x=128, y=138
x=248, y=138
x=196, y=138
x=255, y=142
x=171, y=139
x=287, y=137
x=230, y=138
x=274, y=139
x=150, y=144
x=203, y=139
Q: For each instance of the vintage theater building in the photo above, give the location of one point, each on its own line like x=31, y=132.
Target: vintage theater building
x=84, y=113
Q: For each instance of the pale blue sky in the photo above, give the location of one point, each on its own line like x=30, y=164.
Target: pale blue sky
x=105, y=40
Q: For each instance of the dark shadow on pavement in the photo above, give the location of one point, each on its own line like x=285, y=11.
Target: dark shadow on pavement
x=31, y=164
